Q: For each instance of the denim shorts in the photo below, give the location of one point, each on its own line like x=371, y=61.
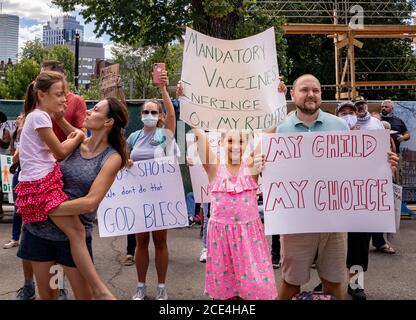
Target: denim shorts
x=33, y=248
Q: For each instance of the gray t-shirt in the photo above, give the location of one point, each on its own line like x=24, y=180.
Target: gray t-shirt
x=147, y=145
x=78, y=175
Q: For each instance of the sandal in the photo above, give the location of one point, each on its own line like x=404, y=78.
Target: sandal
x=386, y=249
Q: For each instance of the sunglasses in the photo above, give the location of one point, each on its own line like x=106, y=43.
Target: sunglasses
x=153, y=112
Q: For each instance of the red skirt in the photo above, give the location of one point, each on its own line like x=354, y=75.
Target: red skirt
x=35, y=199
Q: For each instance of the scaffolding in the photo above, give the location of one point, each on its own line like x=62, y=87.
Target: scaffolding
x=388, y=19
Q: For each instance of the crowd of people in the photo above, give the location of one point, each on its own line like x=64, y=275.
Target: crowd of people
x=56, y=206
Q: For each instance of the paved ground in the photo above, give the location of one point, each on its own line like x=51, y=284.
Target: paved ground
x=389, y=276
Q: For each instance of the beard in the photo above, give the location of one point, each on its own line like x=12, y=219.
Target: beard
x=308, y=107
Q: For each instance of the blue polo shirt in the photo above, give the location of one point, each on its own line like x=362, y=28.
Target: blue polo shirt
x=324, y=122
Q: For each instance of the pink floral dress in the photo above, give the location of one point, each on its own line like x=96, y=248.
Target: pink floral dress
x=238, y=258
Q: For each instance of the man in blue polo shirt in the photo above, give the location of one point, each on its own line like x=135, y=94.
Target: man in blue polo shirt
x=299, y=250
x=330, y=249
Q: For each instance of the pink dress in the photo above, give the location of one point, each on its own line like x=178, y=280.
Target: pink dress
x=238, y=258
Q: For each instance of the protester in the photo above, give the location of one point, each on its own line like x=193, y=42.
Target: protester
x=40, y=186
x=156, y=139
x=397, y=124
x=238, y=260
x=299, y=250
x=4, y=149
x=97, y=160
x=76, y=108
x=367, y=122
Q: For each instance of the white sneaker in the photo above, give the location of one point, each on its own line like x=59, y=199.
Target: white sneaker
x=161, y=293
x=140, y=293
x=11, y=244
x=203, y=257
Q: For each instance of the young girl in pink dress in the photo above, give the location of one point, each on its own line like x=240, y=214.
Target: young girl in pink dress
x=238, y=263
x=39, y=190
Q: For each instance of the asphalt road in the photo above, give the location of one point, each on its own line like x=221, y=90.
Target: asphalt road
x=388, y=277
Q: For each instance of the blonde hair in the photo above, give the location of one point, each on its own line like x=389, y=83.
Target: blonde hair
x=161, y=122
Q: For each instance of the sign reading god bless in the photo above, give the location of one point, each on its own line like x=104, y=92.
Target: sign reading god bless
x=231, y=84
x=327, y=182
x=149, y=196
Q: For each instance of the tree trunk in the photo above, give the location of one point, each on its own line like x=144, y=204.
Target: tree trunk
x=222, y=28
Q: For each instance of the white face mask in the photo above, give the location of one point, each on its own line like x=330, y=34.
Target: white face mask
x=350, y=119
x=150, y=121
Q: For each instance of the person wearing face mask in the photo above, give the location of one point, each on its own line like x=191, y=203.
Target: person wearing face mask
x=347, y=111
x=156, y=139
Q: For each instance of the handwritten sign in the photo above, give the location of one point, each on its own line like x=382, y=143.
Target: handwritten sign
x=147, y=197
x=8, y=125
x=108, y=81
x=328, y=182
x=6, y=176
x=199, y=178
x=231, y=84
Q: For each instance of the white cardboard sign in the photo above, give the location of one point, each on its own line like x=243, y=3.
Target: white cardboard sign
x=327, y=182
x=231, y=84
x=147, y=197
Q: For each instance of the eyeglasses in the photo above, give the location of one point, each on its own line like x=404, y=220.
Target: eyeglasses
x=153, y=112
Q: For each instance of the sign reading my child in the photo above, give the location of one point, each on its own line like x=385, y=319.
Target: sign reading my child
x=327, y=182
x=147, y=197
x=231, y=84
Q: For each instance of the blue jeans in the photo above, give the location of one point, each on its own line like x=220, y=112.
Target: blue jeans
x=205, y=207
x=190, y=204
x=17, y=218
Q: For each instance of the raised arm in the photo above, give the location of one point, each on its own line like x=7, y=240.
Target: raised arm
x=170, y=121
x=206, y=154
x=98, y=190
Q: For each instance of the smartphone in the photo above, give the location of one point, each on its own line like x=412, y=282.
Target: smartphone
x=158, y=68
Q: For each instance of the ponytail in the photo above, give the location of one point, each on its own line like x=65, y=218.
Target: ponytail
x=30, y=101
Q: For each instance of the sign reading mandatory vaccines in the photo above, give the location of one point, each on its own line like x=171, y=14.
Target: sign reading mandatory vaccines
x=231, y=84
x=147, y=197
x=327, y=182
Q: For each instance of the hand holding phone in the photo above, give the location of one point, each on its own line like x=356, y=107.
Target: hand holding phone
x=158, y=69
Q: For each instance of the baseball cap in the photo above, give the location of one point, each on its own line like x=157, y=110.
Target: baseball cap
x=345, y=104
x=359, y=99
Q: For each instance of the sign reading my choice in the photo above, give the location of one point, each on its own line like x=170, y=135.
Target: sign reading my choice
x=328, y=182
x=144, y=198
x=231, y=84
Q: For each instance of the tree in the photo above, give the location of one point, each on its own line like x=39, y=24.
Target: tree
x=34, y=50
x=19, y=76
x=158, y=23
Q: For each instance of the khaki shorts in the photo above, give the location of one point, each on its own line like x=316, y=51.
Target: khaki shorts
x=299, y=250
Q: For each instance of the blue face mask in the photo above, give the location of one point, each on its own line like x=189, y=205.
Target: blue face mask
x=150, y=121
x=350, y=119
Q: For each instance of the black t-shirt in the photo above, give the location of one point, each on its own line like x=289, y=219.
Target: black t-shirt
x=398, y=125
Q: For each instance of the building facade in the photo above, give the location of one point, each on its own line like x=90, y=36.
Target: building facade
x=62, y=31
x=9, y=37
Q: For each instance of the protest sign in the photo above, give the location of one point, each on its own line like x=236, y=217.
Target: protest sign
x=8, y=125
x=147, y=197
x=108, y=81
x=328, y=182
x=231, y=84
x=6, y=176
x=199, y=178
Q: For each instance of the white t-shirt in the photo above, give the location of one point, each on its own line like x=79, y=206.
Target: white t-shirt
x=370, y=124
x=36, y=160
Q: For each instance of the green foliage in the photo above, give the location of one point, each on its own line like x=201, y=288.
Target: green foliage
x=34, y=50
x=3, y=90
x=92, y=92
x=19, y=76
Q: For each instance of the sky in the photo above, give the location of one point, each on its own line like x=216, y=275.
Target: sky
x=35, y=13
